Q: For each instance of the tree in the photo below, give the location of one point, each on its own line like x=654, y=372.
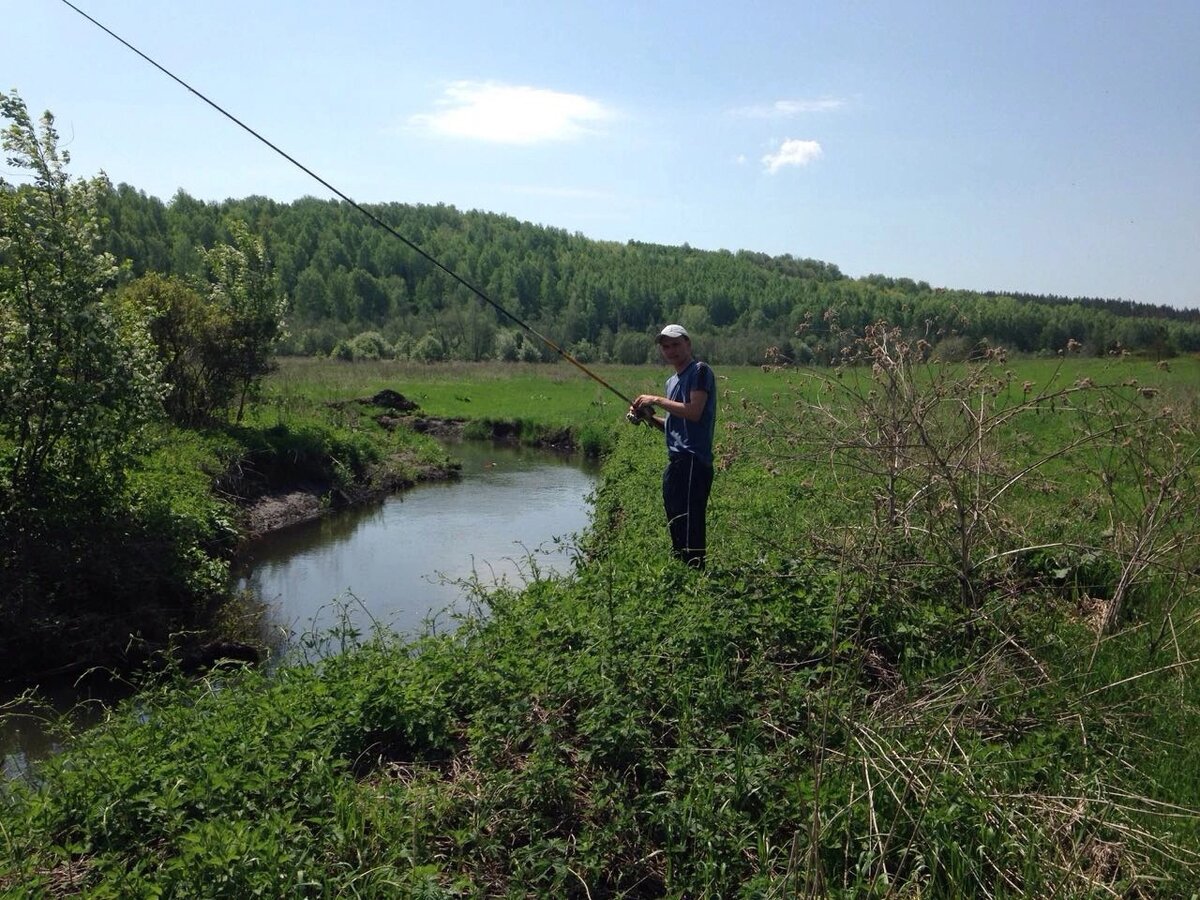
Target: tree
x=310, y=298
x=632, y=348
x=345, y=276
x=188, y=333
x=78, y=378
x=372, y=298
x=244, y=288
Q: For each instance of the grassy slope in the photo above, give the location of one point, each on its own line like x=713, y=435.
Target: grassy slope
x=780, y=724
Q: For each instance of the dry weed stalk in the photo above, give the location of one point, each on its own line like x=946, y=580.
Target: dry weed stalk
x=1090, y=842
x=951, y=473
x=953, y=464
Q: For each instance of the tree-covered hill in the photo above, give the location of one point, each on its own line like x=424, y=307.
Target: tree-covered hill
x=345, y=277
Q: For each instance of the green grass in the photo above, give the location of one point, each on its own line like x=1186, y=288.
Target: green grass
x=552, y=394
x=818, y=714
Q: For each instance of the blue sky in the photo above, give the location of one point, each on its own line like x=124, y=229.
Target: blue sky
x=1044, y=147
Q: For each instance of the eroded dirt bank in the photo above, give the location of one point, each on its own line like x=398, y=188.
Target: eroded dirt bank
x=288, y=504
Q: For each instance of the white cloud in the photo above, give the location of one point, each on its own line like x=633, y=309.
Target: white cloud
x=785, y=109
x=511, y=114
x=792, y=153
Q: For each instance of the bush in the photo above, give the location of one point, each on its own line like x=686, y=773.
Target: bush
x=402, y=347
x=531, y=352
x=369, y=345
x=585, y=351
x=429, y=349
x=508, y=345
x=634, y=349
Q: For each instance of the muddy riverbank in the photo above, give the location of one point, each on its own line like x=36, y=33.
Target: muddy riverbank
x=305, y=501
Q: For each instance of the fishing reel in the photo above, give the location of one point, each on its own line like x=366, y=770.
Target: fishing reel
x=640, y=417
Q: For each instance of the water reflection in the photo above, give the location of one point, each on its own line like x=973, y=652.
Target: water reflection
x=34, y=727
x=405, y=560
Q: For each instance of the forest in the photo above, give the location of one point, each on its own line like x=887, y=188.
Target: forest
x=355, y=292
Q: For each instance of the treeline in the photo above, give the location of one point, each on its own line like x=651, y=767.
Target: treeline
x=355, y=291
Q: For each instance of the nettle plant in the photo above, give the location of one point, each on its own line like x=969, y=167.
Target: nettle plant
x=958, y=478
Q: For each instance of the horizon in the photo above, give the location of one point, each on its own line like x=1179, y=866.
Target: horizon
x=1015, y=149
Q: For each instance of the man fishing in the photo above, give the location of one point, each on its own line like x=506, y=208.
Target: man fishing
x=690, y=408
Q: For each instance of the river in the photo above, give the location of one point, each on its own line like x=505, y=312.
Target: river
x=405, y=563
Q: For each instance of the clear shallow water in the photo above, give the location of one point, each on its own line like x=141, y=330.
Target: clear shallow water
x=26, y=735
x=404, y=561
x=399, y=563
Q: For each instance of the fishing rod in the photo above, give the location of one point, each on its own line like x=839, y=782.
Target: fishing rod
x=370, y=215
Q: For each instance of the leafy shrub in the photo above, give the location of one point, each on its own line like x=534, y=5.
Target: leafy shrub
x=531, y=352
x=508, y=345
x=369, y=345
x=429, y=349
x=402, y=347
x=633, y=349
x=585, y=351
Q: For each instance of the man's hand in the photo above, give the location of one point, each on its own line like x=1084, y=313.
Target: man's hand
x=646, y=401
x=639, y=414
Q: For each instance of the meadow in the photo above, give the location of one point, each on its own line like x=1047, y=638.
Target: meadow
x=944, y=647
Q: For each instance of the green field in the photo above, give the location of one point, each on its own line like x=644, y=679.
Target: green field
x=562, y=392
x=944, y=647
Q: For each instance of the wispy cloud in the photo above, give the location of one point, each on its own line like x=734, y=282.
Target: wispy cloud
x=792, y=153
x=786, y=109
x=511, y=114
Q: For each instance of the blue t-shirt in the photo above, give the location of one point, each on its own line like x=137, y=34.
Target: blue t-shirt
x=683, y=436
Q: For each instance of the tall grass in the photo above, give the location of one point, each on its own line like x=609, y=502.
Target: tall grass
x=898, y=677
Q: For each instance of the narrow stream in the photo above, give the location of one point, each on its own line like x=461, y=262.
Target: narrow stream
x=402, y=563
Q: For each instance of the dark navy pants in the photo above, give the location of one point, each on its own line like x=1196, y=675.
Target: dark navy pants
x=686, y=485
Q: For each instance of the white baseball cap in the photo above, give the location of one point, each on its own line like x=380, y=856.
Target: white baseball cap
x=672, y=331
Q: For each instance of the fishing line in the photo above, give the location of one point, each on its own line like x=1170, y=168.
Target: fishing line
x=370, y=215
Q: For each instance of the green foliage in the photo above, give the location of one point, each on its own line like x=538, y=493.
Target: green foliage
x=191, y=530
x=508, y=345
x=347, y=276
x=304, y=452
x=215, y=342
x=78, y=377
x=188, y=333
x=369, y=345
x=517, y=346
x=102, y=545
x=585, y=352
x=429, y=349
x=632, y=349
x=245, y=292
x=153, y=559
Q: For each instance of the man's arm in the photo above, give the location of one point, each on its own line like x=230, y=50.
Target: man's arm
x=692, y=410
